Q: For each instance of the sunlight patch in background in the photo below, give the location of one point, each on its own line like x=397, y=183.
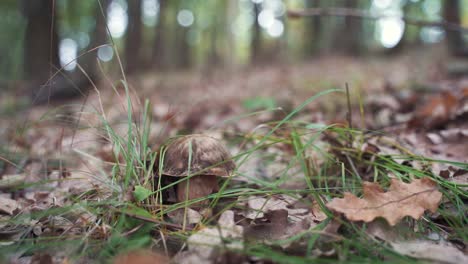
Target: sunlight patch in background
x=431, y=34
x=68, y=50
x=150, y=11
x=432, y=9
x=117, y=18
x=105, y=53
x=382, y=4
x=276, y=29
x=277, y=6
x=185, y=18
x=268, y=18
x=389, y=30
x=241, y=27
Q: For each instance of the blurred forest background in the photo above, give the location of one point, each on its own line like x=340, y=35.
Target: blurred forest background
x=39, y=37
x=84, y=178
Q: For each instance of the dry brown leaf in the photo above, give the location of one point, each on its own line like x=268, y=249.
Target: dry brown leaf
x=209, y=242
x=436, y=112
x=278, y=228
x=428, y=250
x=437, y=249
x=401, y=199
x=8, y=206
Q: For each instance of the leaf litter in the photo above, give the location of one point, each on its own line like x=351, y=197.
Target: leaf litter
x=401, y=199
x=64, y=165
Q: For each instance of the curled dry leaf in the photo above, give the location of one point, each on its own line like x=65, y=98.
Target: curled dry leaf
x=8, y=206
x=258, y=206
x=401, y=199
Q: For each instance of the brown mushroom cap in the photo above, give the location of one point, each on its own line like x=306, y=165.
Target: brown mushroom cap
x=208, y=157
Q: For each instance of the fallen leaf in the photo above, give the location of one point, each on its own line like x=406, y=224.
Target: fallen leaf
x=382, y=231
x=435, y=248
x=192, y=216
x=208, y=242
x=401, y=199
x=12, y=180
x=436, y=112
x=278, y=228
x=8, y=206
x=431, y=251
x=258, y=206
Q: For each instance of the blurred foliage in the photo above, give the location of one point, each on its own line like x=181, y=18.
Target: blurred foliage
x=12, y=25
x=259, y=103
x=222, y=31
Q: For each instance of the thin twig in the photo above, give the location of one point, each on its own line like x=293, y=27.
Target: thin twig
x=78, y=120
x=349, y=117
x=155, y=221
x=358, y=13
x=353, y=167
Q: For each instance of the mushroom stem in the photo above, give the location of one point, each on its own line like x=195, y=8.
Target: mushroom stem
x=196, y=187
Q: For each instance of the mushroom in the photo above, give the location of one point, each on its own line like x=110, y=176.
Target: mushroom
x=209, y=160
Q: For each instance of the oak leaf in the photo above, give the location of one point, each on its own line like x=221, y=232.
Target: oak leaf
x=401, y=199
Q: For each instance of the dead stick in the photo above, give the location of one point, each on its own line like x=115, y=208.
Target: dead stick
x=353, y=12
x=152, y=220
x=349, y=117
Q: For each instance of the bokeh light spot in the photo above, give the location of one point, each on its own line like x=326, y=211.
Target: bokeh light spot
x=68, y=50
x=117, y=19
x=185, y=18
x=105, y=53
x=391, y=31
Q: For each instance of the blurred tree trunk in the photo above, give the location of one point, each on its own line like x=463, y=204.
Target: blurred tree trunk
x=133, y=38
x=257, y=35
x=229, y=48
x=183, y=49
x=98, y=38
x=452, y=9
x=100, y=31
x=68, y=85
x=403, y=41
x=352, y=30
x=41, y=41
x=158, y=58
x=313, y=30
x=215, y=57
x=349, y=34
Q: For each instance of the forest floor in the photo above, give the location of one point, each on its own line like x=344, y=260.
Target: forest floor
x=77, y=179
